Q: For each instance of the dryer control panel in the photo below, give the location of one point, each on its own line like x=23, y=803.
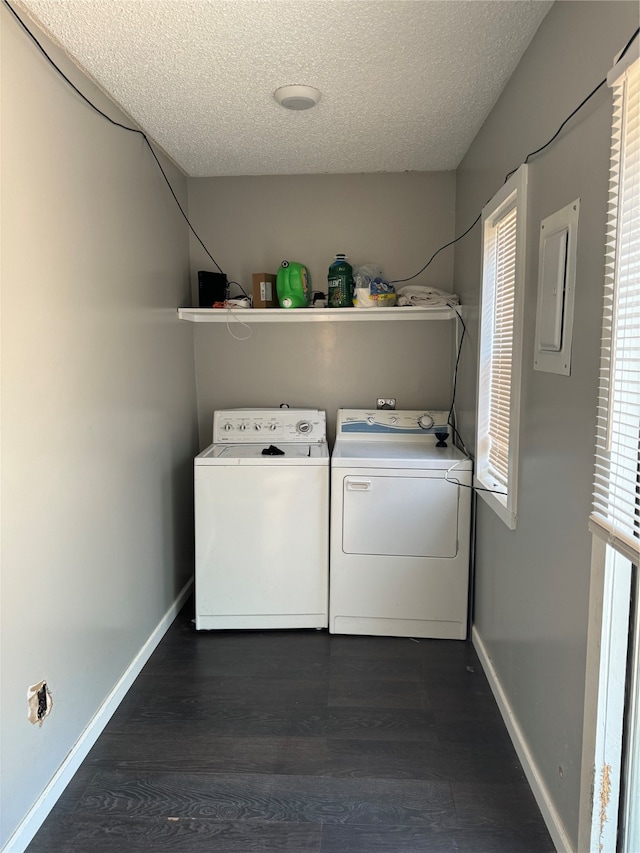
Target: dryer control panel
x=265, y=426
x=406, y=424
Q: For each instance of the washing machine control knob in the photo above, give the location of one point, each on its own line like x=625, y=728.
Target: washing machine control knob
x=258, y=427
x=425, y=421
x=243, y=426
x=303, y=427
x=371, y=419
x=226, y=427
x=393, y=420
x=273, y=426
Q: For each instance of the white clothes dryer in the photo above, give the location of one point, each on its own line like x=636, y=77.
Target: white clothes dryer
x=400, y=526
x=262, y=521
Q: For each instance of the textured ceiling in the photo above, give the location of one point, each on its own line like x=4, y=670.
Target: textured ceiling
x=406, y=84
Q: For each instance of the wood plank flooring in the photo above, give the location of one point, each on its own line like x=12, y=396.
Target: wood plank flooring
x=300, y=741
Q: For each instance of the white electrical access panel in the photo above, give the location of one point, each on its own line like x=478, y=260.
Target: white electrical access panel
x=556, y=290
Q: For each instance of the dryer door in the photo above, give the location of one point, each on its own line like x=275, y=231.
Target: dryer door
x=400, y=514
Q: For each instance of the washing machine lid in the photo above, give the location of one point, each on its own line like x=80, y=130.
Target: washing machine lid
x=397, y=454
x=251, y=454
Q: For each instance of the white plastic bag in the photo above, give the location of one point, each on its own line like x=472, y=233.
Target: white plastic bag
x=371, y=289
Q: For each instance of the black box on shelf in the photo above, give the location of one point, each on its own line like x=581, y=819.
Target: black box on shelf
x=212, y=287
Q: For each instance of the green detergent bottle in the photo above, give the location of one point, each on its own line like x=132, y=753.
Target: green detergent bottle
x=340, y=282
x=293, y=285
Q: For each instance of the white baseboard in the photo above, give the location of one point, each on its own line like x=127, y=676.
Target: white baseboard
x=36, y=815
x=551, y=817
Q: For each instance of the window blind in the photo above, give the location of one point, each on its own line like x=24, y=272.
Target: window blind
x=504, y=222
x=503, y=249
x=616, y=500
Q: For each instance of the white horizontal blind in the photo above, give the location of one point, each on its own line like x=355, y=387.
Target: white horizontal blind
x=616, y=505
x=504, y=223
x=503, y=247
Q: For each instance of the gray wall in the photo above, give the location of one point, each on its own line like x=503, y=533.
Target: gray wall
x=251, y=224
x=532, y=584
x=98, y=409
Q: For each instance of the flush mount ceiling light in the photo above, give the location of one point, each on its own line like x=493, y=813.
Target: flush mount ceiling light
x=297, y=97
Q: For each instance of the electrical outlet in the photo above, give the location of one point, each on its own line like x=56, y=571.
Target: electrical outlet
x=386, y=402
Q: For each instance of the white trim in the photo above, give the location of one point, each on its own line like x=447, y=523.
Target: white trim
x=620, y=66
x=630, y=830
x=618, y=543
x=516, y=182
x=497, y=505
x=36, y=815
x=607, y=762
x=607, y=643
x=544, y=800
x=592, y=679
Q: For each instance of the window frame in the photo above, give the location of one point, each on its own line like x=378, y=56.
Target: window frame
x=608, y=741
x=512, y=195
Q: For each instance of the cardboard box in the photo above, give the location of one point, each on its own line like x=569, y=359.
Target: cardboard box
x=264, y=290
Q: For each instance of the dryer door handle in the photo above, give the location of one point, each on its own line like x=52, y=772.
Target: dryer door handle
x=358, y=485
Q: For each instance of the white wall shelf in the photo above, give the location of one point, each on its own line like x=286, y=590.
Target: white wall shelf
x=313, y=315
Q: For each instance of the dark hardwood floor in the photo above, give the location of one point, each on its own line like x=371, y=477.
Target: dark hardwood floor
x=300, y=741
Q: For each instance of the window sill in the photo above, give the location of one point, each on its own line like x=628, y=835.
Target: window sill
x=508, y=516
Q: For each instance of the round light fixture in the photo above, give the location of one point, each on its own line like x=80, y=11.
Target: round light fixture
x=297, y=97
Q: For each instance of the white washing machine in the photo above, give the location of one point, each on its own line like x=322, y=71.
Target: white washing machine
x=400, y=526
x=262, y=521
